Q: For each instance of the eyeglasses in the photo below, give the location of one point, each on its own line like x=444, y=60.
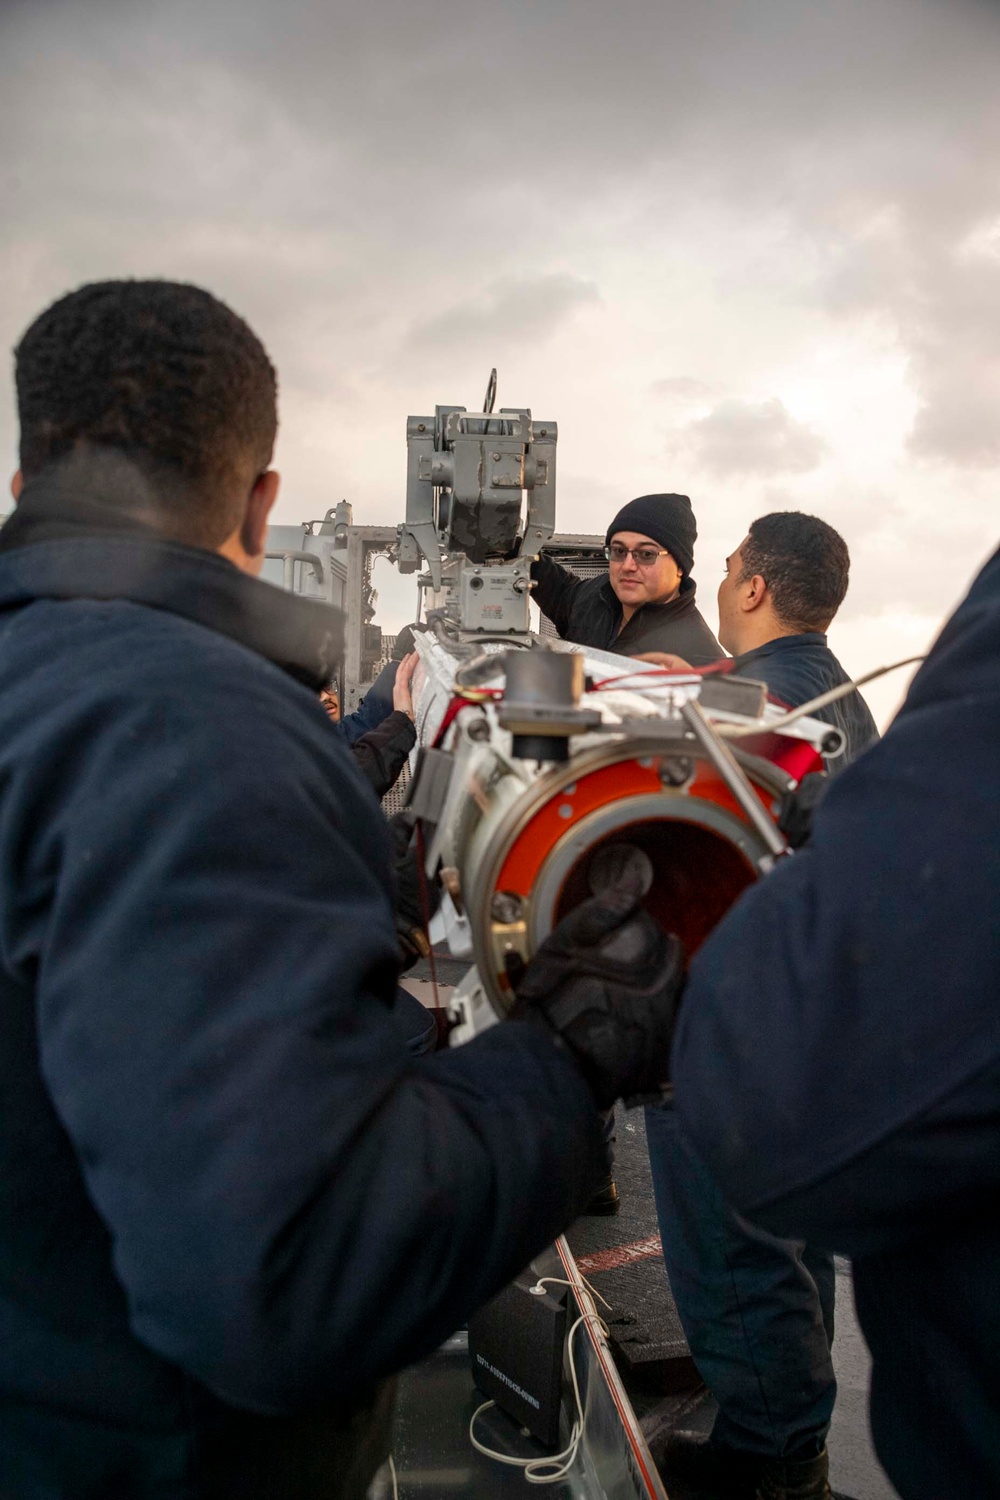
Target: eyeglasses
x=645, y=556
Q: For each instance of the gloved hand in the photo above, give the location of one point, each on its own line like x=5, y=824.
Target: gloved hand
x=798, y=807
x=608, y=982
x=413, y=891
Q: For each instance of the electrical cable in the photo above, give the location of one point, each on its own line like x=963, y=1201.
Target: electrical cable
x=477, y=672
x=653, y=678
x=544, y=1281
x=555, y=1468
x=655, y=675
x=395, y=1481
x=739, y=731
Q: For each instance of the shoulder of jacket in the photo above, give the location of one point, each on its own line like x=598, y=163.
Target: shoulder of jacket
x=132, y=662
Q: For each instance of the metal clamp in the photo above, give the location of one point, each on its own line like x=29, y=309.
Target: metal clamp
x=734, y=776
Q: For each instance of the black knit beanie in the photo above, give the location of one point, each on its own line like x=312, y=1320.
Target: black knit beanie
x=668, y=519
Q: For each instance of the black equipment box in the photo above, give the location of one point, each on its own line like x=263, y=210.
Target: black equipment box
x=516, y=1345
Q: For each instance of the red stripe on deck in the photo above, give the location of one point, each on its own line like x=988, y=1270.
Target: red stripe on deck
x=621, y=1255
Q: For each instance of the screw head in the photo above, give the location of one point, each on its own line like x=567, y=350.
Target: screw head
x=675, y=770
x=478, y=730
x=505, y=907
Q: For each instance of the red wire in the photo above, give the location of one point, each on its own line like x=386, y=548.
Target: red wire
x=725, y=665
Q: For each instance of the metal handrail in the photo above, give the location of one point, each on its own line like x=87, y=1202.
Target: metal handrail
x=289, y=559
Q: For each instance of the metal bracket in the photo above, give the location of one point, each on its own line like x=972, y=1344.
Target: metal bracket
x=734, y=776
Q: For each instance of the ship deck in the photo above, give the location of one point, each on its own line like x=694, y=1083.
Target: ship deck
x=620, y=1256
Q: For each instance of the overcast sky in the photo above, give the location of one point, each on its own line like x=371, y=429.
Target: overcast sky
x=745, y=249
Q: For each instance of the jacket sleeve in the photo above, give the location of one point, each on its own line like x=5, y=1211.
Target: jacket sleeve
x=381, y=753
x=554, y=591
x=296, y=1207
x=855, y=986
x=701, y=649
x=942, y=1167
x=375, y=707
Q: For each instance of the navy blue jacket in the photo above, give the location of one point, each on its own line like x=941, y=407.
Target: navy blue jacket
x=799, y=667
x=837, y=1061
x=230, y=1202
x=375, y=707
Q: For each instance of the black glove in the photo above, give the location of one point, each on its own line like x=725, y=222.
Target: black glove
x=797, y=808
x=608, y=981
x=417, y=897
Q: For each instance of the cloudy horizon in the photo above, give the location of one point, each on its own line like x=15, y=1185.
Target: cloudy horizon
x=751, y=253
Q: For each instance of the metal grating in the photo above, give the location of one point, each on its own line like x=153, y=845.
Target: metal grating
x=584, y=556
x=395, y=798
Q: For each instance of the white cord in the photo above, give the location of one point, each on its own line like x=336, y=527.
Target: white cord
x=554, y=1469
x=395, y=1482
x=545, y=1281
x=739, y=731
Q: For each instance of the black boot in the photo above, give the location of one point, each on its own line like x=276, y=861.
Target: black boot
x=605, y=1201
x=795, y=1478
x=724, y=1473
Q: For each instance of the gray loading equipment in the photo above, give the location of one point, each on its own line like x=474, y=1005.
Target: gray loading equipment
x=332, y=560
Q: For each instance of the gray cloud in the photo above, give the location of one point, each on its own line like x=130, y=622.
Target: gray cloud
x=384, y=138
x=348, y=176
x=683, y=388
x=959, y=421
x=752, y=438
x=509, y=311
x=934, y=279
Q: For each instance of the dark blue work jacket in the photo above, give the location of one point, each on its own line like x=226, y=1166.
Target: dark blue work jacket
x=799, y=667
x=230, y=1203
x=837, y=1061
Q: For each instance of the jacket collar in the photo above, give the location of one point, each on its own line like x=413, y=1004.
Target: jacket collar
x=679, y=605
x=781, y=643
x=57, y=546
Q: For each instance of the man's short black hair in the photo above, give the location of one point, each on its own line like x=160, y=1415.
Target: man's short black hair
x=163, y=374
x=805, y=564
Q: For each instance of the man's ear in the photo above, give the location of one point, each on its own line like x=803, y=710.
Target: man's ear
x=16, y=484
x=753, y=593
x=253, y=532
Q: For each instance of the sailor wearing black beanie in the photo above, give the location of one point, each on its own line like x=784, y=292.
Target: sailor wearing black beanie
x=646, y=602
x=667, y=519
